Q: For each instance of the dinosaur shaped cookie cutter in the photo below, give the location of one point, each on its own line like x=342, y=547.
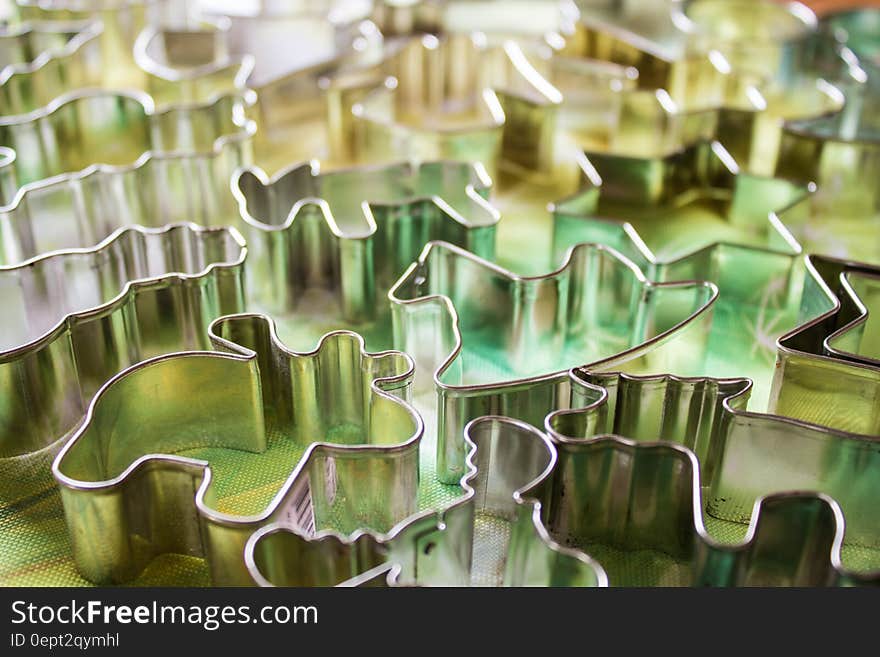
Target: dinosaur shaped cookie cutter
x=129, y=496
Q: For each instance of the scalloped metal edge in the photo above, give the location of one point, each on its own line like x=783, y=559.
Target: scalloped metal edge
x=57, y=372
x=20, y=239
x=356, y=273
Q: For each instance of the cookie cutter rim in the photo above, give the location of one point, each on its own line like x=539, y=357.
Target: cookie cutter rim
x=52, y=333
x=391, y=568
x=618, y=357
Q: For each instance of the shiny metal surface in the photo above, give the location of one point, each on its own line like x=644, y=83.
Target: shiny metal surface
x=42, y=60
x=93, y=161
x=485, y=103
x=122, y=21
x=605, y=494
x=129, y=495
x=505, y=458
x=737, y=234
x=76, y=318
x=355, y=231
x=645, y=497
x=455, y=313
x=714, y=68
x=690, y=153
x=298, y=50
x=743, y=455
x=809, y=368
x=190, y=63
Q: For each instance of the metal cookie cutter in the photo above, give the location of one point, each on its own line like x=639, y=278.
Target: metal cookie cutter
x=636, y=507
x=498, y=343
x=297, y=49
x=743, y=455
x=519, y=19
x=486, y=103
x=133, y=487
x=122, y=21
x=856, y=340
x=696, y=81
x=158, y=167
x=43, y=60
x=732, y=226
x=75, y=318
x=826, y=368
x=115, y=128
x=840, y=153
x=287, y=37
x=69, y=57
x=190, y=63
x=492, y=535
x=751, y=34
x=356, y=230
